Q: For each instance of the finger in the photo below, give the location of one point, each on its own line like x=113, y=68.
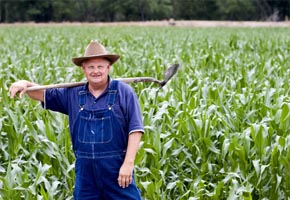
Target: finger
x=120, y=181
x=12, y=92
x=127, y=182
x=123, y=182
x=22, y=93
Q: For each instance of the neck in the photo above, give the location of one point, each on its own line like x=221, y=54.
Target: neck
x=97, y=89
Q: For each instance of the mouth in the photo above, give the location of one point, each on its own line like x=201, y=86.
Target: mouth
x=96, y=75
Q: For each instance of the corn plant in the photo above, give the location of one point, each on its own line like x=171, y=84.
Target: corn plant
x=218, y=130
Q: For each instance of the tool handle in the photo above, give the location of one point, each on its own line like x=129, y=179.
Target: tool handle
x=138, y=80
x=60, y=85
x=65, y=85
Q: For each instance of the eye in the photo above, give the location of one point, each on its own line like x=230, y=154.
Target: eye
x=101, y=67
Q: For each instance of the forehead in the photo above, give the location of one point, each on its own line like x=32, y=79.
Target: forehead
x=96, y=61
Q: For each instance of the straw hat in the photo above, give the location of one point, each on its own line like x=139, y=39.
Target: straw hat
x=95, y=50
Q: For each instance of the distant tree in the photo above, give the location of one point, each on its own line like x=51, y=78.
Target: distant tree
x=236, y=9
x=141, y=10
x=64, y=10
x=39, y=11
x=11, y=11
x=273, y=10
x=195, y=9
x=284, y=8
x=134, y=10
x=162, y=9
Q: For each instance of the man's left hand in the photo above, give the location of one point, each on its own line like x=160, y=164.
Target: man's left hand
x=125, y=175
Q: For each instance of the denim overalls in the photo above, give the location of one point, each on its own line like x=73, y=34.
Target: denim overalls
x=99, y=144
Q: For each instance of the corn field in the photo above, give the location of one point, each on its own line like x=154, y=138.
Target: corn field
x=218, y=130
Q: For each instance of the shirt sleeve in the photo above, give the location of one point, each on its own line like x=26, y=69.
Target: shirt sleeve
x=56, y=100
x=134, y=115
x=132, y=109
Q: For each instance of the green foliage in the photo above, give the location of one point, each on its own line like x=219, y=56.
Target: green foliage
x=141, y=10
x=237, y=9
x=218, y=130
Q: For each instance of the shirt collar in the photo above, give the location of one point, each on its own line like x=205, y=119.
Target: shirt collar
x=106, y=90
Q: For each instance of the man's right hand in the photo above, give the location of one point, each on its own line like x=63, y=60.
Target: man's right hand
x=18, y=87
x=21, y=88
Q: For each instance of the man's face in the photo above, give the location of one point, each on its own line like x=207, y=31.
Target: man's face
x=96, y=70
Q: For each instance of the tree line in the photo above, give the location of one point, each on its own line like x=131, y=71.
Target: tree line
x=141, y=10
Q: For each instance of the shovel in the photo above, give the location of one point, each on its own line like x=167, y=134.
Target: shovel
x=168, y=74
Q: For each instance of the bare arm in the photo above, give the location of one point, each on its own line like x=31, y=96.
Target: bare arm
x=126, y=170
x=21, y=87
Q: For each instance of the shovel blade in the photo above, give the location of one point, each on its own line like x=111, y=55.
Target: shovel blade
x=169, y=73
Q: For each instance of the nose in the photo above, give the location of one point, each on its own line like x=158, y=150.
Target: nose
x=94, y=69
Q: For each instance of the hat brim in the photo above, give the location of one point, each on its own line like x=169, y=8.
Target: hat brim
x=111, y=57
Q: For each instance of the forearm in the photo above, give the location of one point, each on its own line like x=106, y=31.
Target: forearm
x=21, y=88
x=36, y=95
x=133, y=146
x=126, y=170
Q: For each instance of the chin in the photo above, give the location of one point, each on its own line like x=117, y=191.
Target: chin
x=97, y=81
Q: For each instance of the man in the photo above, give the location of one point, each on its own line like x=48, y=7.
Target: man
x=105, y=126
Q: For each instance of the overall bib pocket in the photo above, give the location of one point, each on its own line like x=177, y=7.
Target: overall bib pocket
x=95, y=130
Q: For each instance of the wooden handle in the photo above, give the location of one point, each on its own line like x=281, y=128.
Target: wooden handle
x=65, y=85
x=138, y=80
x=61, y=85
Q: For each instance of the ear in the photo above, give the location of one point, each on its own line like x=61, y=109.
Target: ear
x=83, y=68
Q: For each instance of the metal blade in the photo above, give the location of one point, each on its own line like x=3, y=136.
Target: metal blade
x=169, y=73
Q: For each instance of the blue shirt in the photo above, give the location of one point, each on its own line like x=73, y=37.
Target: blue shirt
x=126, y=107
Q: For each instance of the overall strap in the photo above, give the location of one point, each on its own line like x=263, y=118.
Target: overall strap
x=82, y=97
x=112, y=93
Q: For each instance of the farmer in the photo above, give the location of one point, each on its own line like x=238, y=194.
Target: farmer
x=105, y=126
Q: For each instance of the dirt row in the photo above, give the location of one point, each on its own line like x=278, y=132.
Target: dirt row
x=179, y=23
x=202, y=23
